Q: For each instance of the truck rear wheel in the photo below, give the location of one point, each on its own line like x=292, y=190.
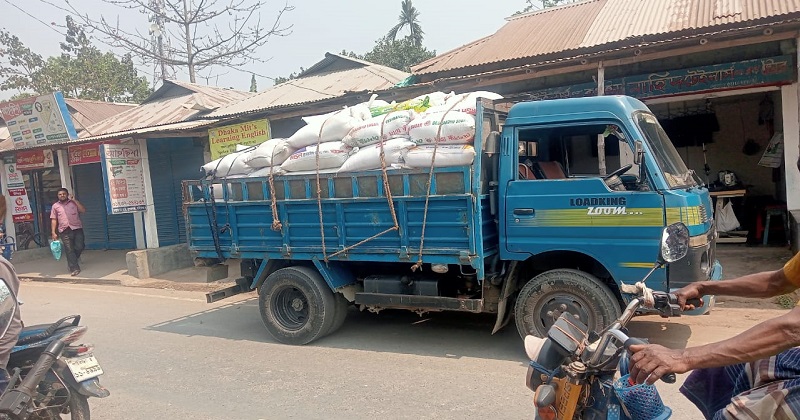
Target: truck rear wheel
x=545, y=297
x=297, y=306
x=342, y=307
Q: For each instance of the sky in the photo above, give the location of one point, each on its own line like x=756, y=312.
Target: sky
x=319, y=26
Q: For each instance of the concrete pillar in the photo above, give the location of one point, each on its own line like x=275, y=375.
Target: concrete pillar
x=65, y=170
x=149, y=223
x=791, y=143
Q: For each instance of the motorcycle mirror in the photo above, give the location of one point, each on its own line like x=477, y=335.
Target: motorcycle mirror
x=545, y=396
x=8, y=306
x=674, y=243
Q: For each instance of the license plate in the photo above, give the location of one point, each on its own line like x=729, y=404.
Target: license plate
x=83, y=368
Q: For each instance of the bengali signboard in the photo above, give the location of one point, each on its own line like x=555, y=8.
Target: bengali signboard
x=223, y=140
x=20, y=206
x=123, y=175
x=742, y=74
x=83, y=154
x=34, y=159
x=38, y=121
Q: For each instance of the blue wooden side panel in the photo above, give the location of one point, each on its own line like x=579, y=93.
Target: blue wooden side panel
x=454, y=232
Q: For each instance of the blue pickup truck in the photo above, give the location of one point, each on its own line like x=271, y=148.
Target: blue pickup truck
x=528, y=231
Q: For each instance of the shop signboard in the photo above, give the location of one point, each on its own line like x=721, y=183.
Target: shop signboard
x=34, y=159
x=83, y=154
x=20, y=206
x=770, y=71
x=223, y=140
x=123, y=176
x=38, y=121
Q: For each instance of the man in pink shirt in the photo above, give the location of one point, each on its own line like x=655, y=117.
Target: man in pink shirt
x=65, y=222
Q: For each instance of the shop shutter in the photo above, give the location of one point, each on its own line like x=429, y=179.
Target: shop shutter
x=172, y=161
x=102, y=231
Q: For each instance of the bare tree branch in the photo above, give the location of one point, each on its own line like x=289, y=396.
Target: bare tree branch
x=210, y=32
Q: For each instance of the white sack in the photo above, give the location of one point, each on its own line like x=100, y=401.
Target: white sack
x=334, y=128
x=457, y=128
x=446, y=155
x=264, y=172
x=272, y=152
x=725, y=217
x=393, y=125
x=331, y=155
x=465, y=102
x=232, y=164
x=369, y=157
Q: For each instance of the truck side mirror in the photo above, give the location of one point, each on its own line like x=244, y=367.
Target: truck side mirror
x=638, y=152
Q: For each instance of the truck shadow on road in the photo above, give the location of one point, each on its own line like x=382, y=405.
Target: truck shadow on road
x=445, y=334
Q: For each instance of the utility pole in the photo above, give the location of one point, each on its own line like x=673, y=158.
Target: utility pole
x=157, y=34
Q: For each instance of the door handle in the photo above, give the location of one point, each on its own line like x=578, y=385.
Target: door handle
x=523, y=212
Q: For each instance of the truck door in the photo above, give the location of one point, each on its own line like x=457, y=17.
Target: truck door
x=557, y=200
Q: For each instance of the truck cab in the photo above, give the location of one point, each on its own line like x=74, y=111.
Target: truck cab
x=594, y=231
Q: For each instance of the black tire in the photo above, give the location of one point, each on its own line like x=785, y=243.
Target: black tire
x=540, y=301
x=342, y=307
x=78, y=407
x=297, y=306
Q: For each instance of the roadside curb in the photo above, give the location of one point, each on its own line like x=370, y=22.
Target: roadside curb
x=101, y=282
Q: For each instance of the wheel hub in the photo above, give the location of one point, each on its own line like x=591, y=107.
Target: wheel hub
x=297, y=304
x=557, y=306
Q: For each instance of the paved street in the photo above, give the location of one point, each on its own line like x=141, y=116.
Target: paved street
x=168, y=354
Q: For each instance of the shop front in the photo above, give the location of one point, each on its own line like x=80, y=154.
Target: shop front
x=40, y=174
x=102, y=230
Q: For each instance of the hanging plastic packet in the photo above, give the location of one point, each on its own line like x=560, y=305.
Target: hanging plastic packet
x=55, y=248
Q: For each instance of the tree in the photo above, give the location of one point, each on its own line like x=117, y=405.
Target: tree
x=253, y=84
x=282, y=79
x=81, y=71
x=195, y=34
x=409, y=16
x=545, y=4
x=398, y=54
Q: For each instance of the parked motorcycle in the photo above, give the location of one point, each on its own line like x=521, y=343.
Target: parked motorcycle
x=51, y=375
x=581, y=374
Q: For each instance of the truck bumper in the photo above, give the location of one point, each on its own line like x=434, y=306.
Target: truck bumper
x=710, y=300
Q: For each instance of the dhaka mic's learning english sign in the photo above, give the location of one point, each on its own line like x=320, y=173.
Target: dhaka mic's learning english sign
x=223, y=140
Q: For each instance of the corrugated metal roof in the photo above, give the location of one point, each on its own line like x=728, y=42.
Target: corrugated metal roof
x=350, y=75
x=173, y=102
x=85, y=113
x=166, y=128
x=594, y=23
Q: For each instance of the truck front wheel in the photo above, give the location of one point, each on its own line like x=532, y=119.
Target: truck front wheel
x=545, y=297
x=297, y=306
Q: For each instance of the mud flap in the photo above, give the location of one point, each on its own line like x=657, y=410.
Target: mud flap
x=503, y=314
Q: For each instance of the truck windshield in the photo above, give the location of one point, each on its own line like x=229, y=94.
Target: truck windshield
x=665, y=154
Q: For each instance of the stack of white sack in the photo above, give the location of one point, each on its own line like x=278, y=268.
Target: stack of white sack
x=333, y=126
x=456, y=128
x=331, y=155
x=369, y=157
x=229, y=165
x=465, y=102
x=272, y=152
x=446, y=155
x=380, y=128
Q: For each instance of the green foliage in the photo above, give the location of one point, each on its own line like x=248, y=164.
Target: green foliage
x=279, y=80
x=81, y=71
x=398, y=54
x=531, y=5
x=253, y=84
x=409, y=16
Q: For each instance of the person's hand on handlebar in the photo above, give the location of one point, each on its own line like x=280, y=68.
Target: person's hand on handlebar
x=687, y=293
x=650, y=362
